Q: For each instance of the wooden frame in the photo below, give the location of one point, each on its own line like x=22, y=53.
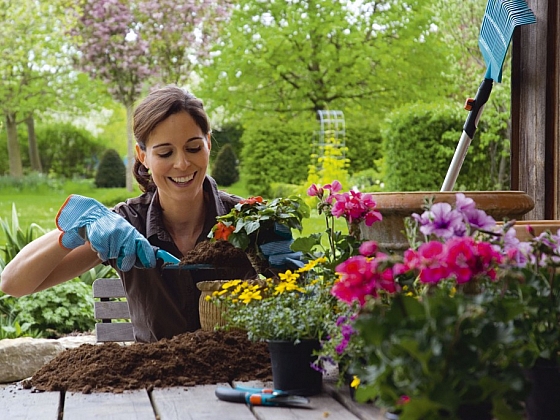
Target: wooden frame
x=535, y=137
x=109, y=308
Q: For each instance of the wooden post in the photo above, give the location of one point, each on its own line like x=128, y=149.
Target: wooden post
x=535, y=145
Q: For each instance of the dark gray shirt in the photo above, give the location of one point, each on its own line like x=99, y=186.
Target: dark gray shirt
x=164, y=302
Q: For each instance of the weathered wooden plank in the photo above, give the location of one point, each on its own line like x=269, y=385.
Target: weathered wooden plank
x=116, y=331
x=535, y=111
x=322, y=407
x=196, y=403
x=130, y=405
x=362, y=411
x=111, y=310
x=108, y=288
x=21, y=404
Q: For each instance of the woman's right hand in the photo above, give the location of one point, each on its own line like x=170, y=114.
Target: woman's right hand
x=110, y=235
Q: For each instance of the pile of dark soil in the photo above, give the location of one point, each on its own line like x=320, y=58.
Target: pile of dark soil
x=197, y=358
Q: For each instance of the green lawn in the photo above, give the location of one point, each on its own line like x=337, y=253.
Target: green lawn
x=40, y=205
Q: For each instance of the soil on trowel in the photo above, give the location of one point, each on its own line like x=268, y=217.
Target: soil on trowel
x=218, y=253
x=197, y=358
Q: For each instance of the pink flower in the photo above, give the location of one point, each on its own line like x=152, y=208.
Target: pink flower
x=429, y=261
x=334, y=187
x=314, y=191
x=368, y=249
x=356, y=280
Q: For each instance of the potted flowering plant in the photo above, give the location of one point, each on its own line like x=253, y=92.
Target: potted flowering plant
x=292, y=313
x=255, y=221
x=438, y=324
x=295, y=308
x=538, y=277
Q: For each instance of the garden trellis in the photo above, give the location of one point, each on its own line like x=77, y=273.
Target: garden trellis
x=330, y=139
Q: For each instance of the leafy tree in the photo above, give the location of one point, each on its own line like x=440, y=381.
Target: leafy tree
x=309, y=55
x=126, y=44
x=36, y=71
x=113, y=51
x=180, y=34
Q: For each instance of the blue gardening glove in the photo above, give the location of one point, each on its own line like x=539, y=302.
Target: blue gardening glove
x=278, y=252
x=84, y=219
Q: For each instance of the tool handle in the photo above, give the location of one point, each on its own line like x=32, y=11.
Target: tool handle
x=456, y=163
x=471, y=124
x=231, y=395
x=480, y=100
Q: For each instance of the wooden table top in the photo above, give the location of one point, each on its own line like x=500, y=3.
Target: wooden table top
x=177, y=403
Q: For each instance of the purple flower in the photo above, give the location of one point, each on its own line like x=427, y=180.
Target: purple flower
x=463, y=203
x=441, y=221
x=479, y=219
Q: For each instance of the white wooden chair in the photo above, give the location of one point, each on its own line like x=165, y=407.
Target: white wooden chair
x=111, y=311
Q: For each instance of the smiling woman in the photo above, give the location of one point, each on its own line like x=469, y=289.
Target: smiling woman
x=177, y=210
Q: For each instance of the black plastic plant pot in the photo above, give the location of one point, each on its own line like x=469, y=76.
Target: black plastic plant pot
x=291, y=367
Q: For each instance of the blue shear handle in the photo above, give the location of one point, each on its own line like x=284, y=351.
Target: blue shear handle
x=232, y=395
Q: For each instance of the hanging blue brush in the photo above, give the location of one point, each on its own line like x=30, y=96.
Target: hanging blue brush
x=500, y=20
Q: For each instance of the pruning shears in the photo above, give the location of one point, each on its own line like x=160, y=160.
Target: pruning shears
x=261, y=396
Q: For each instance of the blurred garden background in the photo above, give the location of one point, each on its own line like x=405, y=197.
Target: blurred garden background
x=298, y=91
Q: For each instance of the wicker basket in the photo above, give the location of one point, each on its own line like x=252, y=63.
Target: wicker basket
x=210, y=313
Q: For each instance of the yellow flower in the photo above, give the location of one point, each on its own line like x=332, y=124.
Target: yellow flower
x=452, y=292
x=208, y=298
x=355, y=382
x=288, y=276
x=287, y=286
x=232, y=283
x=249, y=295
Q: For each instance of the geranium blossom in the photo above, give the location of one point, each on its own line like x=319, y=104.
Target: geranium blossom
x=252, y=200
x=222, y=231
x=354, y=206
x=429, y=261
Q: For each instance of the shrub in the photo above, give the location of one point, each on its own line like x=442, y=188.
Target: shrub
x=363, y=143
x=68, y=151
x=111, y=172
x=225, y=170
x=61, y=309
x=229, y=133
x=419, y=142
x=278, y=151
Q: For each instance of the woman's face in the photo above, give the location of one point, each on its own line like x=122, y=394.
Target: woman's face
x=177, y=154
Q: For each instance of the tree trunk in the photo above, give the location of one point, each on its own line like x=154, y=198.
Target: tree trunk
x=14, y=154
x=130, y=144
x=32, y=141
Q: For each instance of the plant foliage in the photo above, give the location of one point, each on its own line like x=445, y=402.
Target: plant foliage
x=111, y=172
x=224, y=169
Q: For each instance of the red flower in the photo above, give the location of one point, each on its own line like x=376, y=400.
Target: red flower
x=252, y=200
x=222, y=231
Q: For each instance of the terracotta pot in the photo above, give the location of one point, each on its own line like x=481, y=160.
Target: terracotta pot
x=395, y=206
x=537, y=226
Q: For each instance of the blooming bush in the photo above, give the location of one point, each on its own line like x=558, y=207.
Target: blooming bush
x=298, y=305
x=440, y=325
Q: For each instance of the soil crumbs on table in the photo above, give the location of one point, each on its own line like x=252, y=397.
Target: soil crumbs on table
x=196, y=358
